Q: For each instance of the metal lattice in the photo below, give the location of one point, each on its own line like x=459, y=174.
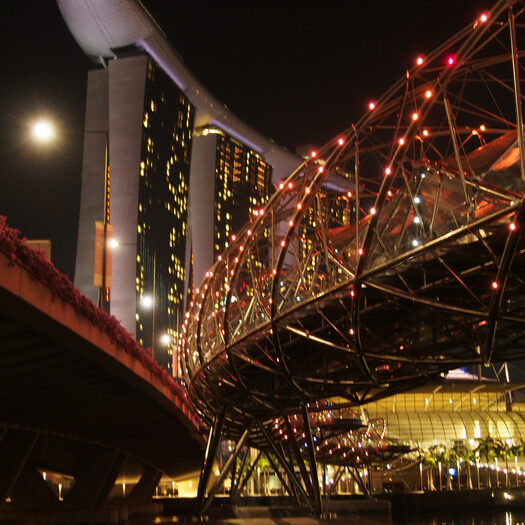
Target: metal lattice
x=392, y=254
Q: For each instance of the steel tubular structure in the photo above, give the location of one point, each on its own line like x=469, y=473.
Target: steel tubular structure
x=392, y=254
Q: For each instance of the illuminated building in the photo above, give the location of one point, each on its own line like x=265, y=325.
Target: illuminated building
x=163, y=180
x=148, y=122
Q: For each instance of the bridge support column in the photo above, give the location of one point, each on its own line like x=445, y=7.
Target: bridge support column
x=15, y=449
x=289, y=471
x=242, y=481
x=95, y=480
x=225, y=470
x=143, y=490
x=31, y=492
x=312, y=461
x=214, y=438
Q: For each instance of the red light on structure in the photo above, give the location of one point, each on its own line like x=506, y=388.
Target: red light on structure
x=512, y=226
x=389, y=193
x=450, y=60
x=349, y=194
x=401, y=141
x=352, y=293
x=313, y=154
x=291, y=223
x=415, y=115
x=299, y=205
x=281, y=186
x=360, y=251
x=290, y=185
x=371, y=105
x=482, y=127
x=483, y=18
x=428, y=93
x=307, y=191
x=426, y=133
x=233, y=237
x=388, y=170
x=419, y=60
x=283, y=243
x=495, y=285
x=321, y=169
x=340, y=142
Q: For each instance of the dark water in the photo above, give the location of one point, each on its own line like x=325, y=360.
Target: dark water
x=444, y=517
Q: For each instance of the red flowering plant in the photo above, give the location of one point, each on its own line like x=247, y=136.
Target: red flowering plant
x=42, y=270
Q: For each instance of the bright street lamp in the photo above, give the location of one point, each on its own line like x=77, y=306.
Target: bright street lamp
x=42, y=131
x=146, y=301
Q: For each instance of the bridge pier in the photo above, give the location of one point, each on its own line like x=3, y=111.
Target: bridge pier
x=145, y=487
x=15, y=449
x=95, y=479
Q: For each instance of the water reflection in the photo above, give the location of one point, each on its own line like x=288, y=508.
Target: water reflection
x=464, y=517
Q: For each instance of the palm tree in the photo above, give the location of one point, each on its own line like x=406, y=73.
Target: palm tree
x=427, y=459
x=469, y=457
x=485, y=450
x=516, y=451
x=500, y=453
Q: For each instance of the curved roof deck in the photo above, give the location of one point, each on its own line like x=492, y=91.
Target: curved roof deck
x=101, y=26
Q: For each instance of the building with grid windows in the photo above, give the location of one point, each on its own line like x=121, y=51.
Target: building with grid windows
x=169, y=174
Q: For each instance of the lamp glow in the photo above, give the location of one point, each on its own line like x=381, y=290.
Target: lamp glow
x=42, y=131
x=146, y=301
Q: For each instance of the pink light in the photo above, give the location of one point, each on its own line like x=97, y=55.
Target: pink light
x=373, y=211
x=425, y=132
x=220, y=259
x=428, y=93
x=483, y=18
x=283, y=243
x=249, y=232
x=290, y=185
x=415, y=116
x=299, y=205
x=352, y=293
x=313, y=154
x=401, y=141
x=388, y=170
x=495, y=285
x=360, y=251
x=389, y=193
x=291, y=223
x=482, y=127
x=321, y=169
x=261, y=212
x=371, y=105
x=450, y=60
x=233, y=237
x=307, y=191
x=349, y=194
x=281, y=186
x=340, y=142
x=512, y=226
x=420, y=60
x=352, y=331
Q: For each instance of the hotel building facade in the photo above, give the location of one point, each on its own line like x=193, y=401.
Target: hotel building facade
x=171, y=170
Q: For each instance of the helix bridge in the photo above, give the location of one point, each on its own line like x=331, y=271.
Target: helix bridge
x=391, y=255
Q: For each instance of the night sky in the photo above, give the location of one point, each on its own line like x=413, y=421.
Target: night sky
x=294, y=72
